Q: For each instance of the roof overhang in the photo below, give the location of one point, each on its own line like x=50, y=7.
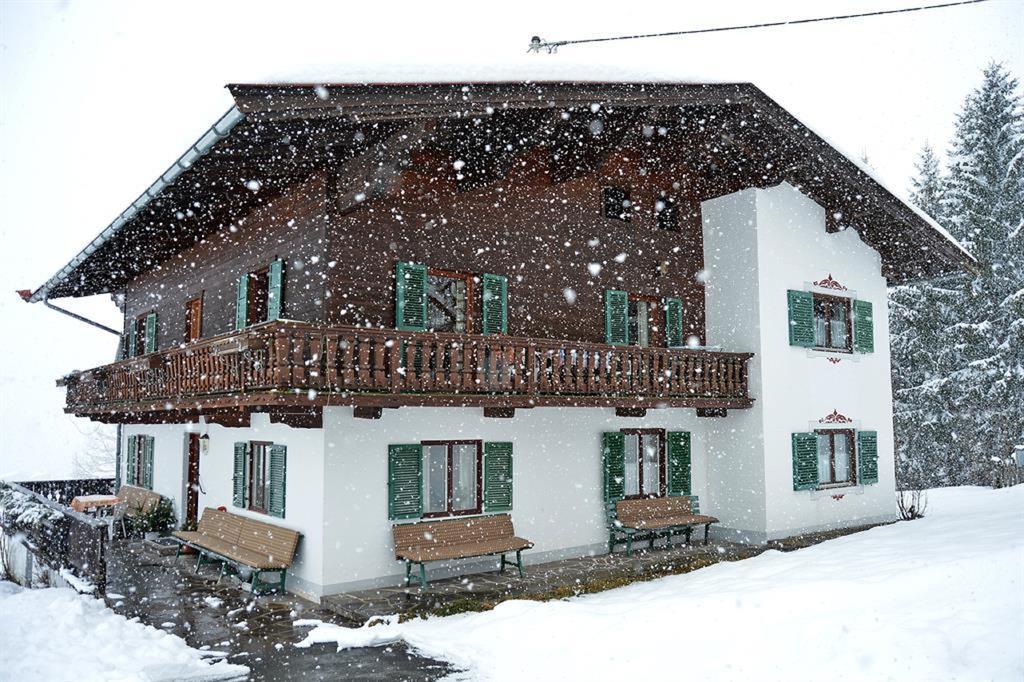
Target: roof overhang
x=912, y=244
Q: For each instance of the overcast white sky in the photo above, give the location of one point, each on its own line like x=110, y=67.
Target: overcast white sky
x=98, y=98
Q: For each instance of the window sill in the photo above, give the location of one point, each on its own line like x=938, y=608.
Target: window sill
x=445, y=516
x=834, y=354
x=439, y=516
x=827, y=491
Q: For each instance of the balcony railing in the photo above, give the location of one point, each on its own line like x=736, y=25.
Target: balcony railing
x=355, y=364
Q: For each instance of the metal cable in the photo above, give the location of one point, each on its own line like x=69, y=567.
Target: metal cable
x=537, y=44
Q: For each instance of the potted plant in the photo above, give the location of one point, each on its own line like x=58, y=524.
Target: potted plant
x=157, y=521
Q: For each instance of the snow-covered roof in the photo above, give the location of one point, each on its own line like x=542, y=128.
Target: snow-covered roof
x=456, y=90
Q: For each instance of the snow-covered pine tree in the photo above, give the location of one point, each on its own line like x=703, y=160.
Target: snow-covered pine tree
x=986, y=211
x=927, y=187
x=919, y=312
x=959, y=341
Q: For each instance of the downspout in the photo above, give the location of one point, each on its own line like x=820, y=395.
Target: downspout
x=78, y=317
x=117, y=462
x=25, y=296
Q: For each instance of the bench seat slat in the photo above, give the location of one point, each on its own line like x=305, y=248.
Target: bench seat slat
x=668, y=521
x=465, y=551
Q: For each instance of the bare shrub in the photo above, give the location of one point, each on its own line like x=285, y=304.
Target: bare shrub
x=912, y=504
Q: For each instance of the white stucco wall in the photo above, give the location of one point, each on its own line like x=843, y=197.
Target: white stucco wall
x=736, y=465
x=795, y=387
x=304, y=495
x=557, y=489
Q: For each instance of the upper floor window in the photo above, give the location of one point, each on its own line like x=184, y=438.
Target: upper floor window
x=194, y=319
x=830, y=323
x=616, y=203
x=667, y=214
x=832, y=327
x=639, y=320
x=449, y=301
x=260, y=295
x=141, y=336
x=646, y=321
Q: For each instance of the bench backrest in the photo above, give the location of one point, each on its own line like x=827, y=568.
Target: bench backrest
x=137, y=500
x=647, y=509
x=411, y=536
x=221, y=525
x=274, y=541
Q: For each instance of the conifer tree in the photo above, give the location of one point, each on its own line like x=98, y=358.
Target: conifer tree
x=958, y=361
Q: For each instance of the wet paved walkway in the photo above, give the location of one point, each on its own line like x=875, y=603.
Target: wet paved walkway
x=256, y=632
x=554, y=580
x=557, y=579
x=259, y=632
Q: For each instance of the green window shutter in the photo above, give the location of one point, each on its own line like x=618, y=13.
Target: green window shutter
x=863, y=327
x=242, y=302
x=673, y=322
x=275, y=289
x=678, y=462
x=867, y=457
x=147, y=461
x=405, y=481
x=411, y=297
x=613, y=460
x=497, y=477
x=495, y=304
x=616, y=317
x=240, y=491
x=129, y=342
x=278, y=470
x=130, y=464
x=151, y=333
x=805, y=461
x=801, y=318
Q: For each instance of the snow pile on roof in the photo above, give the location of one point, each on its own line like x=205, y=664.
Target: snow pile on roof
x=517, y=69
x=56, y=634
x=934, y=599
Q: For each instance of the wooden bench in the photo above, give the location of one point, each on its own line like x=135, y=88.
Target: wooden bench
x=651, y=518
x=458, y=538
x=236, y=540
x=137, y=501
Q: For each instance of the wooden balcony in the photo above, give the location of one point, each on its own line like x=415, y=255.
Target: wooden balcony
x=297, y=366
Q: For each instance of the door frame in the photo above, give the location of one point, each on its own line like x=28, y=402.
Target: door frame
x=190, y=497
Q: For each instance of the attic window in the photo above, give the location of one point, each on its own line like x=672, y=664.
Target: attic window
x=616, y=204
x=667, y=215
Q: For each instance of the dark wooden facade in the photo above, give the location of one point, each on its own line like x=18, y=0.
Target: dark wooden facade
x=542, y=235
x=290, y=225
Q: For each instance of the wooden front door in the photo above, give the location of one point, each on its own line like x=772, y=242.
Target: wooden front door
x=192, y=484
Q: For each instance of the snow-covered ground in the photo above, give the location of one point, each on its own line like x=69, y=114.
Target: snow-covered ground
x=940, y=598
x=56, y=634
